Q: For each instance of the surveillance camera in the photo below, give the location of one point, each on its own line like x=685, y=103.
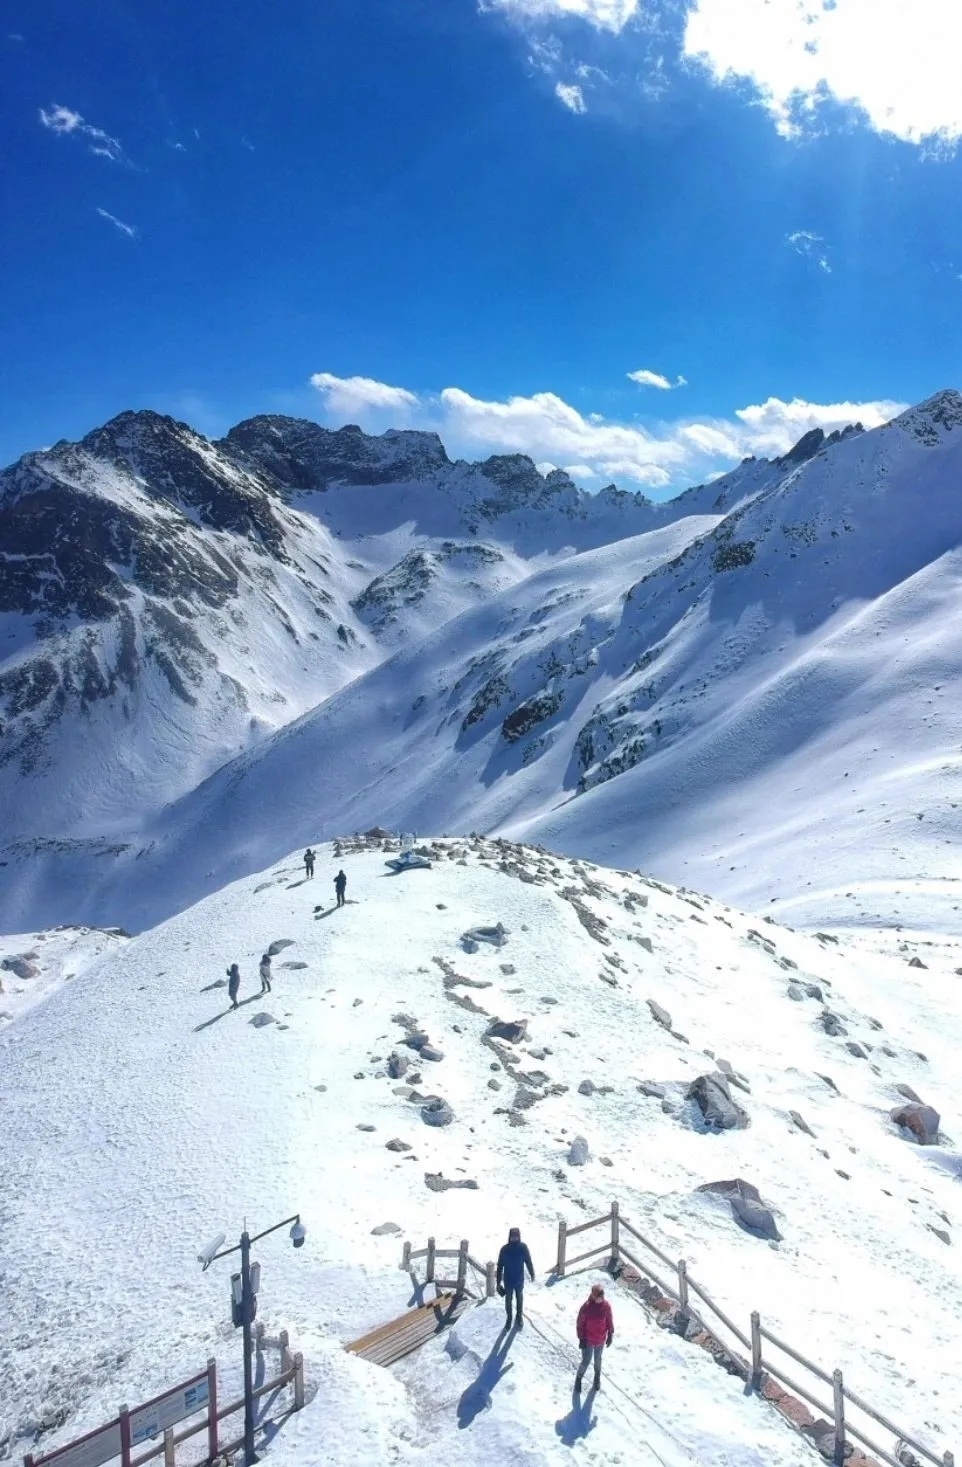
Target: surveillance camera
x=206, y=1255
x=298, y=1234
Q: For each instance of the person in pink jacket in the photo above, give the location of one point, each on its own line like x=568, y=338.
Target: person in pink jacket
x=596, y=1329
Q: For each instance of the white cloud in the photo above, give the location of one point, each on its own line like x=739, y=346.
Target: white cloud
x=812, y=246
x=644, y=378
x=550, y=431
x=127, y=229
x=359, y=396
x=64, y=121
x=604, y=15
x=571, y=96
x=895, y=60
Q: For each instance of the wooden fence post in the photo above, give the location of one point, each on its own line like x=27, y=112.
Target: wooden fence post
x=615, y=1234
x=462, y=1268
x=756, y=1349
x=490, y=1277
x=213, y=1448
x=562, y=1248
x=406, y=1258
x=839, y=1394
x=298, y=1381
x=429, y=1266
x=683, y=1283
x=169, y=1447
x=285, y=1344
x=948, y=1460
x=124, y=1436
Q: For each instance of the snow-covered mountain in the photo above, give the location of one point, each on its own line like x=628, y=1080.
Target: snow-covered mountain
x=755, y=687
x=141, y=1116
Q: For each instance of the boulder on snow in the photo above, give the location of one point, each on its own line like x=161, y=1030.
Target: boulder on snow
x=261, y=1019
x=429, y=1052
x=587, y=1087
x=713, y=1098
x=796, y=992
x=397, y=1064
x=384, y=1228
x=733, y=1077
x=497, y=936
x=909, y=1094
x=278, y=946
x=801, y=1123
x=652, y=1089
x=397, y=1145
x=746, y=1205
x=832, y=1024
x=513, y=1030
x=436, y=1112
x=21, y=965
x=661, y=1016
x=922, y=1121
x=917, y=963
x=435, y=1182
x=578, y=1152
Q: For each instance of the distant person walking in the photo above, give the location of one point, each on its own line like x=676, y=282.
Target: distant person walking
x=513, y=1259
x=596, y=1329
x=340, y=887
x=265, y=972
x=308, y=863
x=233, y=984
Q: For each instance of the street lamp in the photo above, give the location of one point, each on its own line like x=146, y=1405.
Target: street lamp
x=244, y=1304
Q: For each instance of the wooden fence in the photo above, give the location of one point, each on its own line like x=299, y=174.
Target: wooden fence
x=432, y=1253
x=85, y=1449
x=683, y=1286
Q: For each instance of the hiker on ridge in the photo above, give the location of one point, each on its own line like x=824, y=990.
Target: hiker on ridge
x=596, y=1329
x=233, y=984
x=513, y=1259
x=265, y=972
x=340, y=886
x=308, y=864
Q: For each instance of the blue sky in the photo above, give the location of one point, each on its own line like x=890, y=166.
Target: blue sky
x=484, y=218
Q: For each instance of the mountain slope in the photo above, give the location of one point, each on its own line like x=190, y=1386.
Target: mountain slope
x=142, y=1117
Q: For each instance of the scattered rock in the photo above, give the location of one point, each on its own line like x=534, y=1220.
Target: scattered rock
x=441, y=906
x=713, y=1097
x=855, y=1048
x=917, y=963
x=293, y=966
x=508, y=969
x=436, y=1112
x=909, y=1093
x=435, y=1182
x=586, y=1088
x=416, y=1039
x=494, y=1084
x=832, y=1024
x=497, y=936
x=428, y=1052
x=661, y=1016
x=278, y=946
x=363, y=1127
x=578, y=1152
x=796, y=992
x=801, y=1123
x=939, y=1233
x=829, y=1082
x=733, y=1077
x=653, y=1090
x=384, y=1228
x=398, y=1065
x=920, y=1120
x=260, y=1020
x=513, y=1030
x=397, y=1145
x=813, y=991
x=606, y=1161
x=320, y=1088
x=359, y=1075
x=21, y=965
x=746, y=1205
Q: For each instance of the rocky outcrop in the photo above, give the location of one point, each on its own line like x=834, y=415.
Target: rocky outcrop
x=713, y=1098
x=921, y=1121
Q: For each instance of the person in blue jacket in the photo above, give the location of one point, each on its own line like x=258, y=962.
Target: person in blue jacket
x=513, y=1259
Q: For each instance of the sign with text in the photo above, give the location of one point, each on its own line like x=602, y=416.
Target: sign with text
x=90, y=1451
x=166, y=1410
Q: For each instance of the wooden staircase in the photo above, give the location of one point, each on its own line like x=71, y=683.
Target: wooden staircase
x=391, y=1342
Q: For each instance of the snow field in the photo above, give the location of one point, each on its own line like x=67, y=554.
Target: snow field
x=142, y=1117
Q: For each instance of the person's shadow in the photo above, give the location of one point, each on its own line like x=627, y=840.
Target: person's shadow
x=477, y=1397
x=579, y=1421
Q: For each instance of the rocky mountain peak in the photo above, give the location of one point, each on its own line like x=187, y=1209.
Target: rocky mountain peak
x=301, y=455
x=813, y=442
x=943, y=411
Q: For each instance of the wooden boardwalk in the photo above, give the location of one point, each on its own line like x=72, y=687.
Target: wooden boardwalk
x=391, y=1342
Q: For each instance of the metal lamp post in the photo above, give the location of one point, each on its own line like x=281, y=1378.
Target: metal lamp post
x=247, y=1305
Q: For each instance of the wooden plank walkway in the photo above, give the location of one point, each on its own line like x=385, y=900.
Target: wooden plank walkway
x=391, y=1342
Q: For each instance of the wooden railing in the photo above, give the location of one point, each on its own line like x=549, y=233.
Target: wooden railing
x=432, y=1253
x=683, y=1286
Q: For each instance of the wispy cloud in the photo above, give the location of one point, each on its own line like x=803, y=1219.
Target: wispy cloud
x=359, y=395
x=604, y=15
x=127, y=229
x=64, y=121
x=571, y=96
x=811, y=247
x=897, y=64
x=674, y=452
x=644, y=378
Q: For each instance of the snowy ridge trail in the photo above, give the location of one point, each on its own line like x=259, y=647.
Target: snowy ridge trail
x=142, y=1116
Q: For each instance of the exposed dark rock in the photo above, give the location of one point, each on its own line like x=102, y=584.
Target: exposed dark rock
x=653, y=1090
x=397, y=1145
x=713, y=1097
x=801, y=1123
x=586, y=1088
x=661, y=1016
x=578, y=1152
x=398, y=1065
x=436, y=1112
x=512, y=1030
x=917, y=963
x=922, y=1121
x=435, y=1182
x=383, y=1229
x=278, y=946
